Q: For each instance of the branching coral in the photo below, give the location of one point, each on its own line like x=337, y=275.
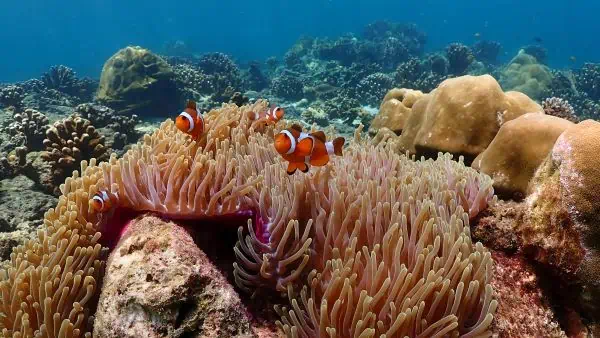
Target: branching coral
x=558, y=107
x=68, y=143
x=12, y=96
x=372, y=88
x=101, y=116
x=370, y=202
x=460, y=57
x=61, y=78
x=32, y=124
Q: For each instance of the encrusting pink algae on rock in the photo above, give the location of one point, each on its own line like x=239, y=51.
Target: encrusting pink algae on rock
x=158, y=283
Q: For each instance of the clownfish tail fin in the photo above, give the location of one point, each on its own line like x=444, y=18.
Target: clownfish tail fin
x=338, y=145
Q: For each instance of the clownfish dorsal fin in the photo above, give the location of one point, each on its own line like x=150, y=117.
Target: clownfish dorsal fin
x=191, y=104
x=297, y=127
x=319, y=135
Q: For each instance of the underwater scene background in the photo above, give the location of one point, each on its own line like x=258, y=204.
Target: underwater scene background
x=299, y=169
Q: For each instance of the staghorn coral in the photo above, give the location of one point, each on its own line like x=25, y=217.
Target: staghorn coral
x=558, y=107
x=32, y=124
x=233, y=171
x=68, y=142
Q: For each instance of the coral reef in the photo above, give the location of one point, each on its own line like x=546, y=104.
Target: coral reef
x=32, y=125
x=122, y=126
x=461, y=116
x=287, y=86
x=558, y=107
x=459, y=58
x=64, y=80
x=520, y=146
x=12, y=96
x=394, y=110
x=69, y=142
x=421, y=75
x=526, y=75
x=588, y=80
x=372, y=89
x=135, y=81
x=487, y=51
x=394, y=209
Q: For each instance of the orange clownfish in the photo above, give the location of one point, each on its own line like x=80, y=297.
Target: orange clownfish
x=104, y=201
x=190, y=120
x=273, y=114
x=302, y=149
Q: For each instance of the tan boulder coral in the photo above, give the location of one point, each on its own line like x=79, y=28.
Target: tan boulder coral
x=136, y=81
x=525, y=74
x=395, y=109
x=158, y=283
x=461, y=116
x=517, y=150
x=562, y=224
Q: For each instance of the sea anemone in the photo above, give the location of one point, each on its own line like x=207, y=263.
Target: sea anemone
x=346, y=222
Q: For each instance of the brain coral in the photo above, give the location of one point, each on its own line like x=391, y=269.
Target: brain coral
x=375, y=229
x=136, y=81
x=462, y=116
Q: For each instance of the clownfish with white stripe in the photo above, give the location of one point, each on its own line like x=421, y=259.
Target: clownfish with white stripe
x=302, y=149
x=104, y=201
x=190, y=120
x=271, y=115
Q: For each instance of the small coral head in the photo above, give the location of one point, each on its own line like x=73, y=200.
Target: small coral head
x=285, y=143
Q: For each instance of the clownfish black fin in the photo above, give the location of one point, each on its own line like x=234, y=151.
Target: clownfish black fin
x=319, y=135
x=303, y=167
x=191, y=104
x=297, y=127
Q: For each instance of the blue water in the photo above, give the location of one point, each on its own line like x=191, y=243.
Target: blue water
x=82, y=34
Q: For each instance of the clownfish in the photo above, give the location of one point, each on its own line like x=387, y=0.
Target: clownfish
x=271, y=115
x=190, y=120
x=302, y=149
x=103, y=201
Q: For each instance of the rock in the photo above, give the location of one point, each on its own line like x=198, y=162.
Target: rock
x=562, y=223
x=20, y=203
x=523, y=307
x=158, y=283
x=461, y=116
x=517, y=150
x=136, y=81
x=394, y=110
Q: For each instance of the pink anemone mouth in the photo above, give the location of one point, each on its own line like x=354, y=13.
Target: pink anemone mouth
x=117, y=223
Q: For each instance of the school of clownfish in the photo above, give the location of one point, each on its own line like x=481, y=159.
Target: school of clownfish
x=300, y=149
